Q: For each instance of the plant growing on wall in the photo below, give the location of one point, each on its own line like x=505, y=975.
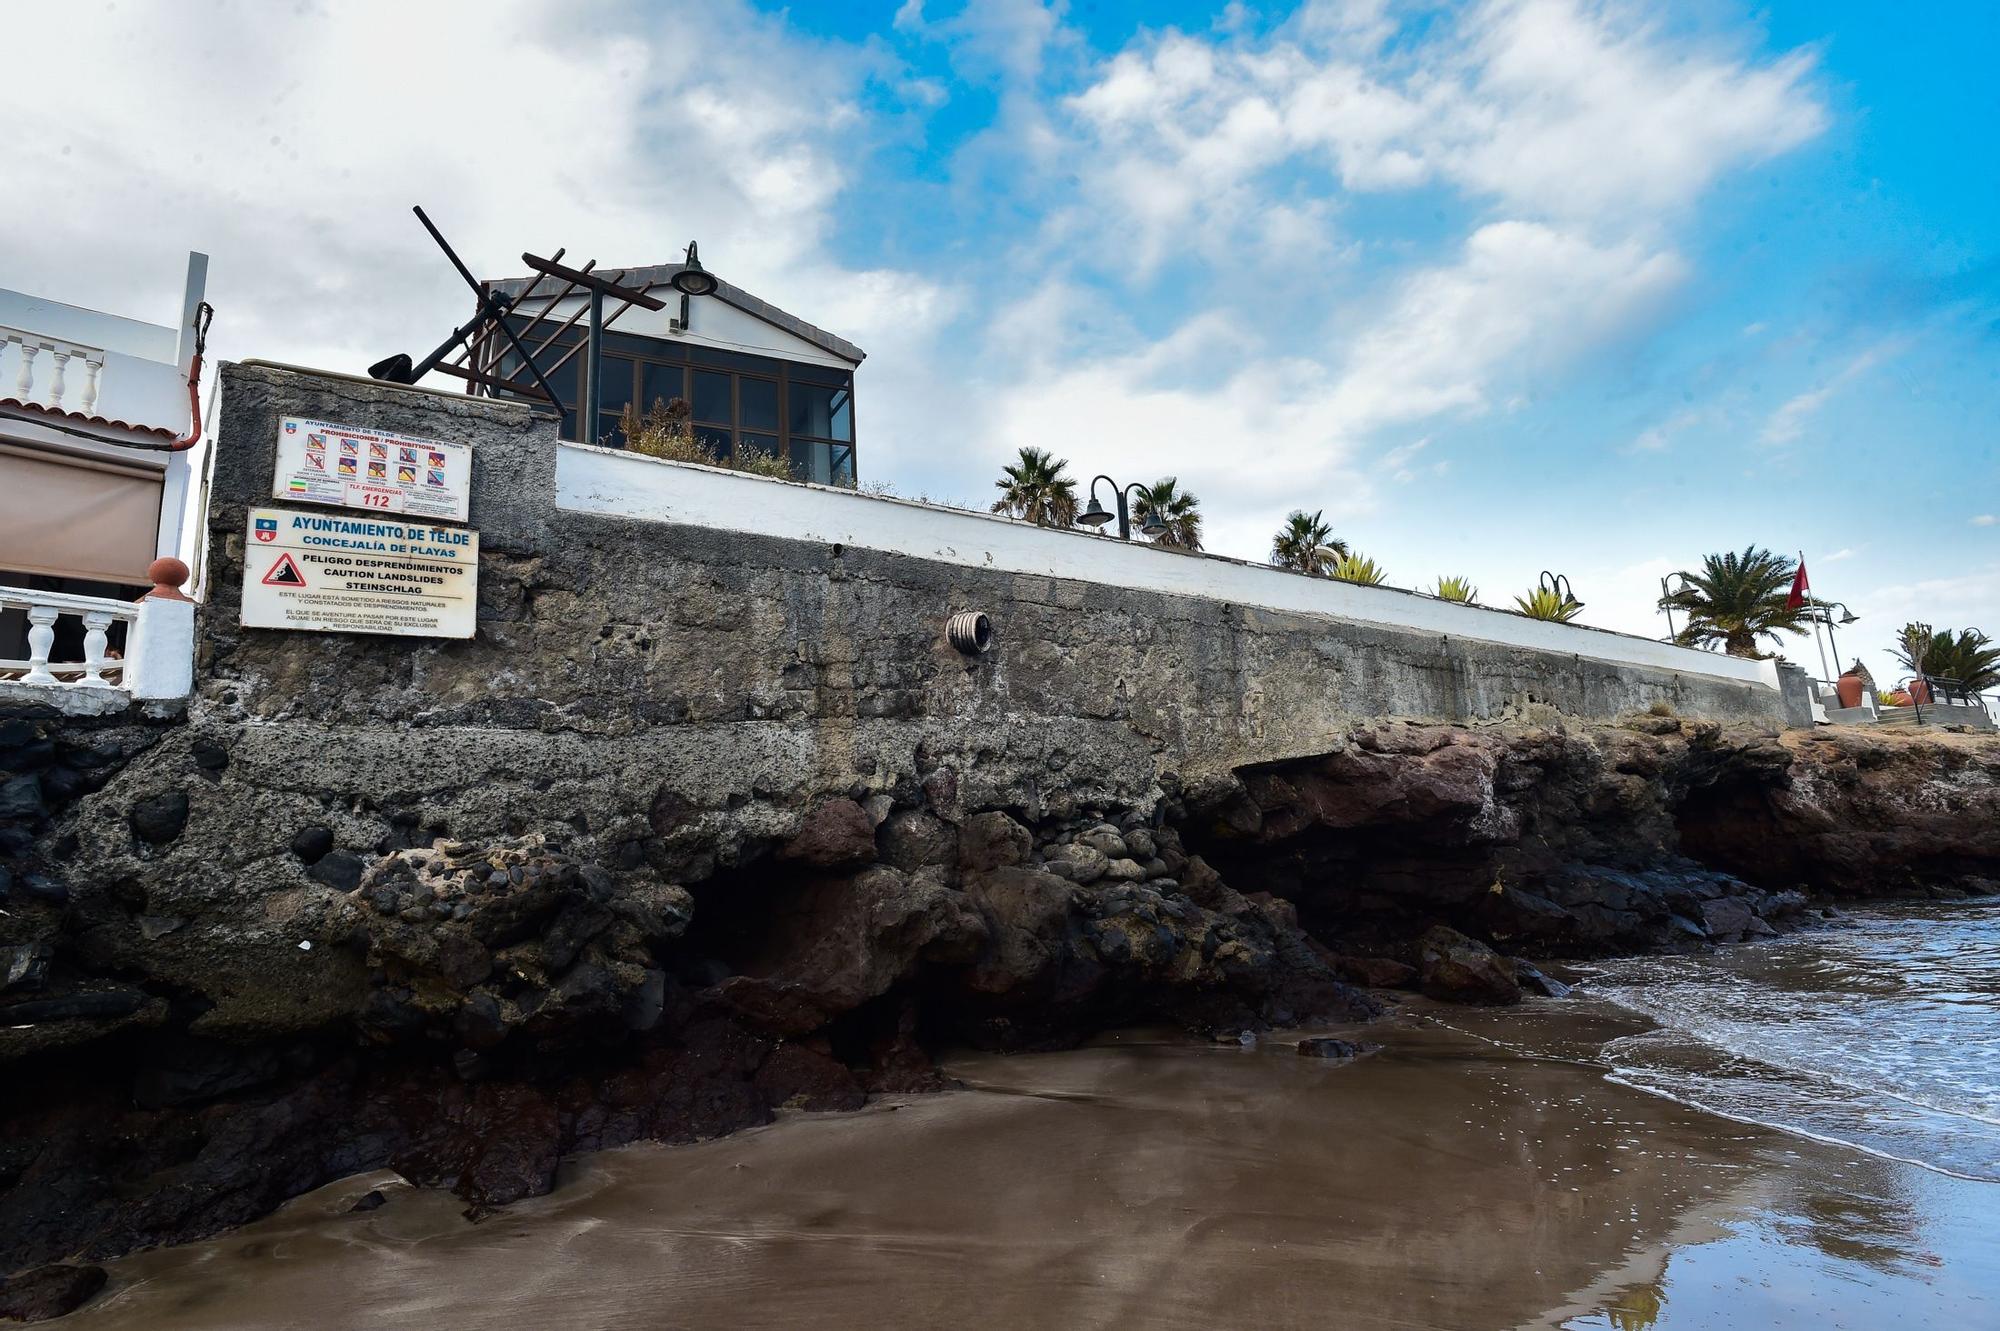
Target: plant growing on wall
x=1736, y=600
x=1966, y=655
x=663, y=432
x=1358, y=568
x=1460, y=590
x=1036, y=487
x=1305, y=544
x=1177, y=508
x=1546, y=603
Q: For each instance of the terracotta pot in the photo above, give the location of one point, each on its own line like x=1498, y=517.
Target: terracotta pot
x=1900, y=698
x=1920, y=691
x=1848, y=688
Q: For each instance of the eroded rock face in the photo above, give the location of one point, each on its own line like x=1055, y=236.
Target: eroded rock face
x=479, y=1010
x=214, y=1006
x=1591, y=840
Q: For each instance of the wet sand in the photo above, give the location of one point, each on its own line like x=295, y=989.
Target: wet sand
x=1444, y=1182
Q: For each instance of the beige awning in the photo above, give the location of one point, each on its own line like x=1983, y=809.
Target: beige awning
x=77, y=518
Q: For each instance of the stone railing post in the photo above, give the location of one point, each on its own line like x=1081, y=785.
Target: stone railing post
x=41, y=640
x=96, y=623
x=160, y=649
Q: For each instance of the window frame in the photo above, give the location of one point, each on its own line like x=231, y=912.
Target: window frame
x=643, y=352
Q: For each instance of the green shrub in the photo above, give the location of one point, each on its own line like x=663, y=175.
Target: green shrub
x=1542, y=603
x=663, y=433
x=1460, y=590
x=1358, y=568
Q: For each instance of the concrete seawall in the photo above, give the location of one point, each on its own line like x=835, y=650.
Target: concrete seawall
x=725, y=661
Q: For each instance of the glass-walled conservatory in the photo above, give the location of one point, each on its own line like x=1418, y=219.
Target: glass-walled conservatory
x=752, y=376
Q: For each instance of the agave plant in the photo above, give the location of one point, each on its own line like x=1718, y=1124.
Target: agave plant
x=1966, y=655
x=1546, y=603
x=1460, y=590
x=1179, y=510
x=1736, y=600
x=1037, y=487
x=1305, y=544
x=1357, y=568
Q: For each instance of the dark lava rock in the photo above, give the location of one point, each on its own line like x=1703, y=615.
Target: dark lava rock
x=368, y=1201
x=24, y=967
x=837, y=833
x=48, y=1291
x=1326, y=1046
x=1533, y=981
x=40, y=887
x=340, y=869
x=1376, y=972
x=312, y=843
x=993, y=841
x=1458, y=969
x=911, y=839
x=95, y=1005
x=159, y=818
x=1728, y=919
x=21, y=797
x=208, y=755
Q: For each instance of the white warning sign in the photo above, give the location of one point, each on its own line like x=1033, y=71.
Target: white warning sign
x=320, y=462
x=354, y=573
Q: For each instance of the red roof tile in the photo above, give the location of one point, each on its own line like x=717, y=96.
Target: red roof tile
x=44, y=409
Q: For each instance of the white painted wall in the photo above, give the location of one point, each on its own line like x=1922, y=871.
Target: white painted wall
x=713, y=323
x=601, y=480
x=144, y=380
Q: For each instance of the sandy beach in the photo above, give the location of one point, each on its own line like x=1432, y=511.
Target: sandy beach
x=1443, y=1182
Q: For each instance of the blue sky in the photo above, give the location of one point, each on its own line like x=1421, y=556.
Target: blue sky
x=1501, y=287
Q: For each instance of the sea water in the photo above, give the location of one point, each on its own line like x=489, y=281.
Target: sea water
x=1882, y=1035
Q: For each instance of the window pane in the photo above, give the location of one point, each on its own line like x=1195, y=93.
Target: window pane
x=663, y=383
x=711, y=397
x=821, y=411
x=617, y=380
x=716, y=441
x=842, y=465
x=608, y=432
x=763, y=443
x=757, y=399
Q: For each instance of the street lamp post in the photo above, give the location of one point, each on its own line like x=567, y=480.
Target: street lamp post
x=1666, y=600
x=1825, y=616
x=1096, y=515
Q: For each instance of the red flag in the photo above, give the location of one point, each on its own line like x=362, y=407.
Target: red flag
x=1799, y=588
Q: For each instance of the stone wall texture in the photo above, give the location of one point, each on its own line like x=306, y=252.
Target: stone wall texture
x=726, y=663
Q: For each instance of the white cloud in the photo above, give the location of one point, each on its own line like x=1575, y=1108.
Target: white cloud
x=1520, y=294
x=1580, y=115
x=1658, y=438
x=1792, y=416
x=1985, y=520
x=1963, y=600
x=316, y=127
x=1837, y=556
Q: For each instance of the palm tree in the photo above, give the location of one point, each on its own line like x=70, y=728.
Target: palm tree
x=1735, y=600
x=1037, y=488
x=1305, y=544
x=1178, y=509
x=1967, y=655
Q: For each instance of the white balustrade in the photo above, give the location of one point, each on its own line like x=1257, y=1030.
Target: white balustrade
x=26, y=349
x=98, y=668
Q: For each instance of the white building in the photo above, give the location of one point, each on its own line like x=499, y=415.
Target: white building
x=752, y=375
x=92, y=488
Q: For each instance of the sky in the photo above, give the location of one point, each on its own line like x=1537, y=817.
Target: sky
x=1587, y=287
